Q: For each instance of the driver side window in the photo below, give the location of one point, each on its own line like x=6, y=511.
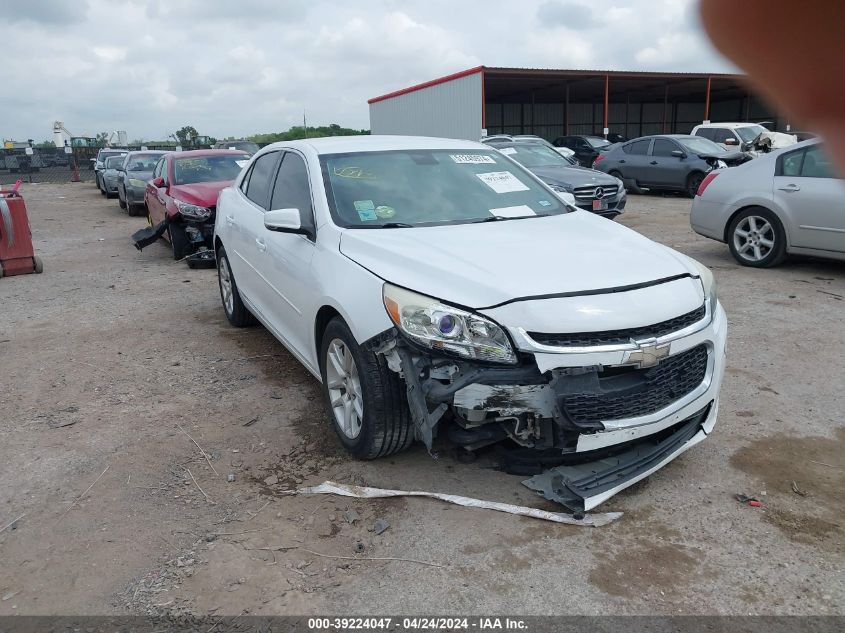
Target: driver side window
x=292, y=189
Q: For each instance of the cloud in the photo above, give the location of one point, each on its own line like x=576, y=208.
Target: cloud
x=235, y=68
x=45, y=12
x=571, y=15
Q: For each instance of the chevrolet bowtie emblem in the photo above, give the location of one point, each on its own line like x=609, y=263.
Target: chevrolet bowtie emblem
x=647, y=354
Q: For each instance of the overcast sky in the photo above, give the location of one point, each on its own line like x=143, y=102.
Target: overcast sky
x=237, y=67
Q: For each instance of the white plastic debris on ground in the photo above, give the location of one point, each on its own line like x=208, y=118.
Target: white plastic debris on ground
x=365, y=492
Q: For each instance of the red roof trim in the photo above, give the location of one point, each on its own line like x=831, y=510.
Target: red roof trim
x=428, y=84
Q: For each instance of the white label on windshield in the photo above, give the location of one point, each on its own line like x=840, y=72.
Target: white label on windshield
x=502, y=182
x=513, y=212
x=507, y=151
x=242, y=163
x=232, y=147
x=472, y=159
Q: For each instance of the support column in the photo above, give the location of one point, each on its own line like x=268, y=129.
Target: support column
x=665, y=103
x=606, y=95
x=627, y=108
x=566, y=112
x=707, y=100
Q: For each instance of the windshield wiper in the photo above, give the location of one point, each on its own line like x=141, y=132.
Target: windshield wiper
x=395, y=225
x=502, y=218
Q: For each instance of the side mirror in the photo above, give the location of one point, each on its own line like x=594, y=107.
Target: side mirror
x=158, y=183
x=284, y=221
x=678, y=154
x=730, y=141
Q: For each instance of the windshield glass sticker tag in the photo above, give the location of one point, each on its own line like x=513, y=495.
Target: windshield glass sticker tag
x=507, y=151
x=472, y=159
x=242, y=163
x=384, y=212
x=544, y=203
x=513, y=212
x=502, y=181
x=366, y=209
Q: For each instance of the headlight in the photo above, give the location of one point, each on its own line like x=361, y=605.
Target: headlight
x=134, y=182
x=707, y=281
x=442, y=327
x=621, y=185
x=562, y=188
x=192, y=211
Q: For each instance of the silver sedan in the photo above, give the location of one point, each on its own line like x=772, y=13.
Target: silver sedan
x=786, y=202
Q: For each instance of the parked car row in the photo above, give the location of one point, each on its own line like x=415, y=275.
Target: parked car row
x=176, y=191
x=419, y=276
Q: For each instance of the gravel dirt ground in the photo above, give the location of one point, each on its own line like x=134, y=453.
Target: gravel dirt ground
x=110, y=351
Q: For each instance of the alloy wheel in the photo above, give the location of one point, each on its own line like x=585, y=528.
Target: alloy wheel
x=226, y=286
x=344, y=387
x=754, y=238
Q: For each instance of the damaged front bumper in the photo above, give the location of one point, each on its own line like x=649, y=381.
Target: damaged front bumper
x=603, y=416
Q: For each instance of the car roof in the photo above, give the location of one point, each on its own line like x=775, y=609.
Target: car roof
x=147, y=151
x=377, y=143
x=728, y=125
x=197, y=153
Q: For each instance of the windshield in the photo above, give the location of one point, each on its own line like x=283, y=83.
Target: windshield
x=535, y=155
x=142, y=162
x=206, y=168
x=430, y=187
x=104, y=154
x=698, y=145
x=596, y=141
x=748, y=134
x=113, y=162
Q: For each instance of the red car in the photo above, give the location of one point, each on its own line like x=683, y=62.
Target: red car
x=182, y=196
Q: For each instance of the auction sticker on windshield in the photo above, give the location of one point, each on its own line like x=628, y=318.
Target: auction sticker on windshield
x=472, y=159
x=502, y=181
x=519, y=211
x=507, y=151
x=366, y=209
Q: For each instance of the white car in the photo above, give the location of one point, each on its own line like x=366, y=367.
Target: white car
x=436, y=286
x=786, y=202
x=751, y=138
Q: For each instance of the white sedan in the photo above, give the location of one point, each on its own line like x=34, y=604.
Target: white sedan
x=437, y=287
x=786, y=202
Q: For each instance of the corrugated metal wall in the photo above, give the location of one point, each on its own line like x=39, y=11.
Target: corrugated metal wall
x=450, y=110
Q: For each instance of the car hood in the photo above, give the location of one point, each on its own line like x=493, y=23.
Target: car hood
x=573, y=176
x=203, y=194
x=483, y=265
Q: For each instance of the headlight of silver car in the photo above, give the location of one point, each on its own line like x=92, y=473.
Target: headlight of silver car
x=134, y=182
x=707, y=281
x=192, y=211
x=438, y=326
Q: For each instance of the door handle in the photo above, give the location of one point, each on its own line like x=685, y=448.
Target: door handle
x=260, y=245
x=230, y=219
x=622, y=161
x=654, y=162
x=790, y=188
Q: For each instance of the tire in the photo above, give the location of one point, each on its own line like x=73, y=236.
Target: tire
x=756, y=238
x=693, y=183
x=38, y=264
x=121, y=201
x=359, y=382
x=236, y=312
x=178, y=242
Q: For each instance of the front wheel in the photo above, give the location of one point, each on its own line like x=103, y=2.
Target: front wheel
x=121, y=201
x=178, y=242
x=756, y=238
x=366, y=400
x=236, y=312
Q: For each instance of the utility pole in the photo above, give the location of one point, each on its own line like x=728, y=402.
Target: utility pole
x=304, y=124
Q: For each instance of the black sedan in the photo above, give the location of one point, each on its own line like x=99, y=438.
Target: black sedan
x=584, y=188
x=586, y=148
x=668, y=162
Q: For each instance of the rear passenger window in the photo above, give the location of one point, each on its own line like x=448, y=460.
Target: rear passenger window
x=637, y=147
x=662, y=147
x=260, y=179
x=791, y=165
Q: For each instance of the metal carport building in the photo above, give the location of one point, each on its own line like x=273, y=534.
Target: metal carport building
x=553, y=103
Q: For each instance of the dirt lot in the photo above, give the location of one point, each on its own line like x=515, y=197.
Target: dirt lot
x=110, y=351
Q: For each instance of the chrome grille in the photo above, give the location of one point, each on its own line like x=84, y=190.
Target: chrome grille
x=589, y=192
